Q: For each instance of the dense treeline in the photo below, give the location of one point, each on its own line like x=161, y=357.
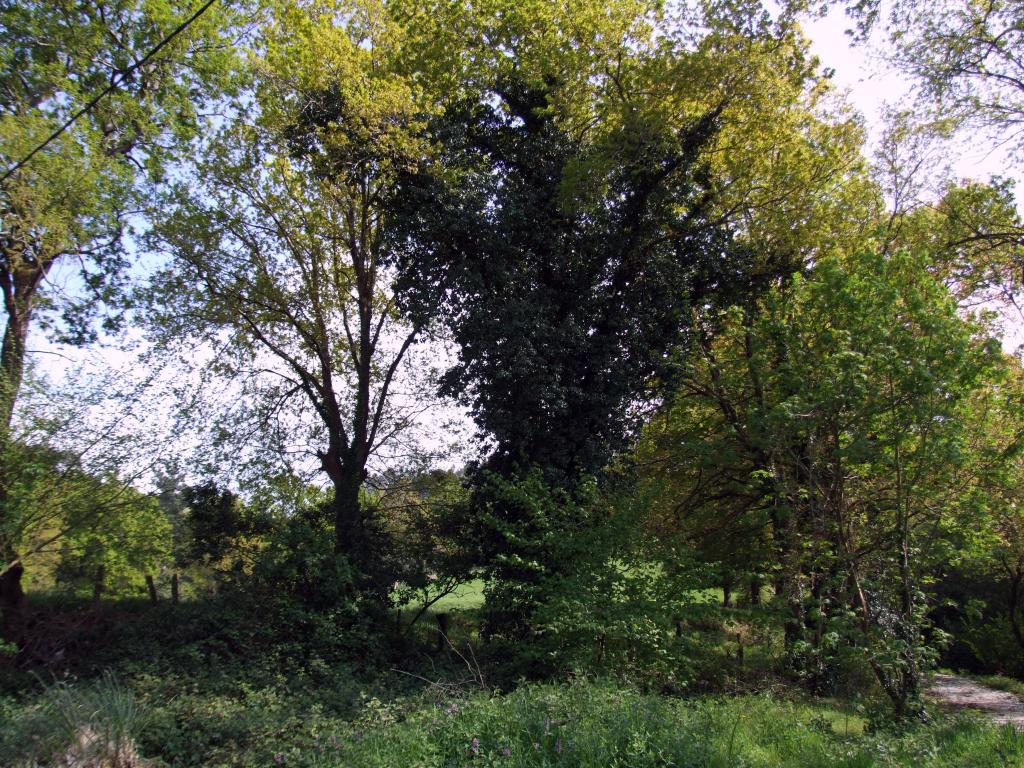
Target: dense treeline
x=714, y=353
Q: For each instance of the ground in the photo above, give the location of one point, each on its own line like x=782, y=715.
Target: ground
x=959, y=693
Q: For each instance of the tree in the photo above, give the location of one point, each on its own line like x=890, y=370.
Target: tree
x=993, y=553
x=559, y=306
x=843, y=410
x=70, y=203
x=964, y=56
x=277, y=250
x=424, y=512
x=581, y=210
x=976, y=239
x=71, y=462
x=559, y=311
x=120, y=537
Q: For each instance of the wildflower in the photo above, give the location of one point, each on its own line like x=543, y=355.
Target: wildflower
x=558, y=746
x=507, y=751
x=279, y=758
x=475, y=746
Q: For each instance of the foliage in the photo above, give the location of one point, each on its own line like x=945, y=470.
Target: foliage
x=620, y=606
x=963, y=55
x=702, y=349
x=72, y=511
x=532, y=534
x=617, y=617
x=276, y=259
x=71, y=202
x=577, y=212
x=221, y=527
x=975, y=239
x=425, y=516
x=568, y=326
x=583, y=724
x=830, y=422
x=111, y=549
x=300, y=561
x=981, y=600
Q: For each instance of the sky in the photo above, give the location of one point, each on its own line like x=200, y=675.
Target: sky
x=871, y=84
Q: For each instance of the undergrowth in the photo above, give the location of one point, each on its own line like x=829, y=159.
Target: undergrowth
x=584, y=724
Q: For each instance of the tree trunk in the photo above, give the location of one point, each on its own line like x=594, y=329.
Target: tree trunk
x=99, y=584
x=1016, y=610
x=348, y=526
x=442, y=630
x=12, y=366
x=793, y=623
x=727, y=594
x=779, y=585
x=353, y=538
x=12, y=600
x=755, y=591
x=174, y=588
x=151, y=587
x=18, y=293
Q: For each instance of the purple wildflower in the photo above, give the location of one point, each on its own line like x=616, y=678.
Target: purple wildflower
x=558, y=746
x=475, y=746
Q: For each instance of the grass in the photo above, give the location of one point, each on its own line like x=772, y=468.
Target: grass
x=594, y=725
x=843, y=717
x=215, y=693
x=470, y=596
x=583, y=724
x=90, y=725
x=467, y=597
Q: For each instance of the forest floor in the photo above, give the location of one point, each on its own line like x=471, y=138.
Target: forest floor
x=959, y=693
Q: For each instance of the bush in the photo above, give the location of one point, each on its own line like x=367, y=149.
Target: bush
x=576, y=585
x=617, y=617
x=993, y=646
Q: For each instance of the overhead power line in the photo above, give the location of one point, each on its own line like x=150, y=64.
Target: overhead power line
x=115, y=82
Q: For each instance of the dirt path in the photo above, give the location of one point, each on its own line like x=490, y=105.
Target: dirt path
x=961, y=693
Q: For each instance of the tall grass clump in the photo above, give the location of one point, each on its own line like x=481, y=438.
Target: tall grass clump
x=88, y=726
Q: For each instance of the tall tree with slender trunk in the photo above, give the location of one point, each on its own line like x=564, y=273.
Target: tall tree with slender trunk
x=66, y=195
x=276, y=256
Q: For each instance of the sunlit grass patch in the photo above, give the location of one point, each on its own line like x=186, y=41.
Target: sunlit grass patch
x=466, y=597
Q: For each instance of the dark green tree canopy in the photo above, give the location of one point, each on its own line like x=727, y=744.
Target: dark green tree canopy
x=563, y=269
